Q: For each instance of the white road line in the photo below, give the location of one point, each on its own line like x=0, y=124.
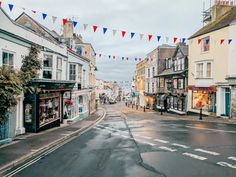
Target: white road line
x=145, y=142
x=216, y=130
x=181, y=145
x=125, y=136
x=145, y=137
x=225, y=164
x=167, y=149
x=97, y=128
x=194, y=156
x=207, y=152
x=161, y=141
x=232, y=158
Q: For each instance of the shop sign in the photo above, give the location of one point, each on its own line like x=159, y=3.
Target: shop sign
x=209, y=89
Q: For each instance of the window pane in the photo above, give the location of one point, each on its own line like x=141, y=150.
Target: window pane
x=47, y=74
x=208, y=69
x=5, y=58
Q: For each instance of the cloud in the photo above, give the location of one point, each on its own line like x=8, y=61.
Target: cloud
x=179, y=18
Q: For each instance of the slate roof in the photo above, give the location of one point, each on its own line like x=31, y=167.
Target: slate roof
x=224, y=21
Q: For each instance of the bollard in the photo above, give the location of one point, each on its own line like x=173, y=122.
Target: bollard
x=144, y=109
x=200, y=116
x=136, y=107
x=132, y=106
x=161, y=111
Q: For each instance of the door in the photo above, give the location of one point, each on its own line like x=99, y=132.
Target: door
x=227, y=102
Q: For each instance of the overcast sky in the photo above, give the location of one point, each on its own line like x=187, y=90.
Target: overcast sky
x=179, y=18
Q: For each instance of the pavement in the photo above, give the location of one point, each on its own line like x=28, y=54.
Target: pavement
x=30, y=145
x=130, y=143
x=194, y=117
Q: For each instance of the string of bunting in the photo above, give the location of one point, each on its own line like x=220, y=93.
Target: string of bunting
x=124, y=33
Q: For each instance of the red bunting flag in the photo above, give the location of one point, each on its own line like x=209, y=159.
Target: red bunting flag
x=149, y=37
x=127, y=58
x=0, y=3
x=123, y=33
x=95, y=28
x=199, y=41
x=222, y=41
x=64, y=20
x=175, y=39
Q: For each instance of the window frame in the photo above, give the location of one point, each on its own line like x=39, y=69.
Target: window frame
x=8, y=62
x=47, y=68
x=72, y=76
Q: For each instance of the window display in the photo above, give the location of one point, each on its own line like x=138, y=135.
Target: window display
x=28, y=113
x=49, y=108
x=205, y=97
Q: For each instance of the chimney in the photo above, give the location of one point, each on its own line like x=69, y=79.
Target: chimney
x=220, y=7
x=68, y=29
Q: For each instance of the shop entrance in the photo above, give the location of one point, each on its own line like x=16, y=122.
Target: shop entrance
x=227, y=102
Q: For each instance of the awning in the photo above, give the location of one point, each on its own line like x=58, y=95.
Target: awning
x=53, y=84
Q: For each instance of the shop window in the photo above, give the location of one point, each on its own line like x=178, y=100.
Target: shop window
x=162, y=82
x=59, y=68
x=47, y=67
x=205, y=97
x=49, y=108
x=175, y=83
x=72, y=72
x=7, y=59
x=208, y=70
x=206, y=44
x=199, y=70
x=153, y=71
x=180, y=104
x=28, y=113
x=180, y=83
x=175, y=103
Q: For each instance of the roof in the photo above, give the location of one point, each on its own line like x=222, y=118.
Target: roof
x=222, y=22
x=183, y=48
x=53, y=34
x=170, y=72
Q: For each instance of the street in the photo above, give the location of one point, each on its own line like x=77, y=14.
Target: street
x=130, y=143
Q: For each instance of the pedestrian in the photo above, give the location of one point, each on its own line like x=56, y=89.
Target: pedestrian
x=165, y=105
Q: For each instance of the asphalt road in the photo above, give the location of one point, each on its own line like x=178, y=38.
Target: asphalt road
x=128, y=143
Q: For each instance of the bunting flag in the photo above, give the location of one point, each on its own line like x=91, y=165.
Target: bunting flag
x=123, y=33
x=123, y=58
x=114, y=32
x=199, y=41
x=85, y=26
x=75, y=23
x=132, y=34
x=141, y=36
x=54, y=19
x=104, y=30
x=158, y=38
x=100, y=55
x=135, y=59
x=0, y=3
x=44, y=15
x=109, y=56
x=167, y=39
x=114, y=57
x=127, y=58
x=33, y=11
x=64, y=21
x=207, y=41
x=95, y=28
x=229, y=41
x=175, y=39
x=222, y=41
x=149, y=37
x=10, y=7
x=183, y=40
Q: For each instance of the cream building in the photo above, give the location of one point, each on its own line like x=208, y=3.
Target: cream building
x=212, y=64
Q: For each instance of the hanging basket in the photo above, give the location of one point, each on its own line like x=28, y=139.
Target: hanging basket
x=69, y=102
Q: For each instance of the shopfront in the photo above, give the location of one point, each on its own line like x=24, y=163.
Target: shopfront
x=205, y=95
x=44, y=110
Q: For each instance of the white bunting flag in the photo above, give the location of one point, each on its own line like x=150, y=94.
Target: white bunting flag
x=141, y=36
x=114, y=32
x=54, y=19
x=167, y=39
x=85, y=26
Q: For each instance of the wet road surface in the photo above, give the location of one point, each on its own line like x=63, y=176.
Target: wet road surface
x=128, y=143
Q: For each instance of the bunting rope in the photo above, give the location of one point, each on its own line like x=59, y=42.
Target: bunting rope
x=124, y=33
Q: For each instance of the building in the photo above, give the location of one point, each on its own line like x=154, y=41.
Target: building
x=212, y=64
x=154, y=66
x=140, y=81
x=173, y=82
x=63, y=81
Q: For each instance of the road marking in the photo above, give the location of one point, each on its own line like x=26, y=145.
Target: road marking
x=216, y=130
x=97, y=128
x=181, y=145
x=145, y=137
x=194, y=156
x=207, y=152
x=232, y=158
x=167, y=149
x=145, y=142
x=125, y=136
x=225, y=164
x=161, y=141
